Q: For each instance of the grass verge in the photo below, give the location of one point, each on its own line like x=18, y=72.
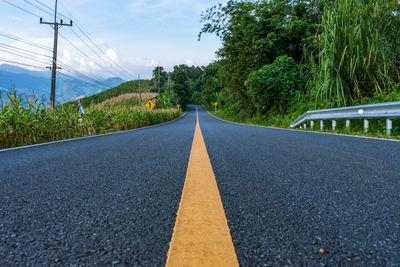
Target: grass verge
x=376, y=127
x=35, y=124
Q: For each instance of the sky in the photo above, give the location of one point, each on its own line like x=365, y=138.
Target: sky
x=136, y=34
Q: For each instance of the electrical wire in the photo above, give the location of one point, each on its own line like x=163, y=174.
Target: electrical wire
x=72, y=71
x=26, y=1
x=83, y=41
x=85, y=82
x=90, y=38
x=19, y=63
x=23, y=51
x=110, y=61
x=9, y=36
x=36, y=15
x=83, y=53
x=23, y=56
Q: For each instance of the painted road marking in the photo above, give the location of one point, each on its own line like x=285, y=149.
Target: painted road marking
x=201, y=234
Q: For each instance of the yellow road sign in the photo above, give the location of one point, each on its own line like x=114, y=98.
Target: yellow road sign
x=150, y=105
x=215, y=104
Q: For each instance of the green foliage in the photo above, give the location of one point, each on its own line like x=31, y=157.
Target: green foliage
x=196, y=98
x=34, y=124
x=357, y=51
x=166, y=99
x=127, y=87
x=211, y=83
x=160, y=78
x=275, y=85
x=185, y=81
x=254, y=34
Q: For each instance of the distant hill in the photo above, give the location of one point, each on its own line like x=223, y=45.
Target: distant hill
x=28, y=83
x=124, y=88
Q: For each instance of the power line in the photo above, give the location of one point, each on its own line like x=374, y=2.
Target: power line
x=65, y=66
x=83, y=53
x=110, y=62
x=9, y=36
x=86, y=75
x=22, y=51
x=52, y=9
x=86, y=34
x=23, y=56
x=80, y=38
x=90, y=38
x=36, y=15
x=85, y=82
x=71, y=70
x=19, y=63
x=44, y=5
x=26, y=1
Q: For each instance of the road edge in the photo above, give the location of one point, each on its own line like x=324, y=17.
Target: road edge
x=90, y=136
x=311, y=132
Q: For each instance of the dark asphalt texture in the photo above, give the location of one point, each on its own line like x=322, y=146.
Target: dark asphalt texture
x=112, y=200
x=108, y=200
x=288, y=194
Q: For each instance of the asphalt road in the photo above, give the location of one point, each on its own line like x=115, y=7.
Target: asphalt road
x=98, y=201
x=287, y=194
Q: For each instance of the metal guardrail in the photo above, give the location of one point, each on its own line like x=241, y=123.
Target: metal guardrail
x=386, y=111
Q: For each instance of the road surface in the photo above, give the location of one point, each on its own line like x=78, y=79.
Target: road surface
x=290, y=197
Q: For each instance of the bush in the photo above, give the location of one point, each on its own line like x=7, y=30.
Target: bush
x=275, y=85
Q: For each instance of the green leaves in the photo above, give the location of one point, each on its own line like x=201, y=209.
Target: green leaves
x=21, y=125
x=275, y=85
x=357, y=51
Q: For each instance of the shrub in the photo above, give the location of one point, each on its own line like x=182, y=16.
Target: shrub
x=275, y=85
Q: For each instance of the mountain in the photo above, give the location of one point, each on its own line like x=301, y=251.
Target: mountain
x=37, y=83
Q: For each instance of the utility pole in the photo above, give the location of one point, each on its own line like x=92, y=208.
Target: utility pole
x=169, y=80
x=159, y=84
x=56, y=25
x=140, y=92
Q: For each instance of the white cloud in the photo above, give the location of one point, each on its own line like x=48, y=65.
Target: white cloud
x=189, y=62
x=151, y=63
x=111, y=53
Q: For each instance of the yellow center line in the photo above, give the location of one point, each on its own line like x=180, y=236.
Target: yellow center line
x=201, y=234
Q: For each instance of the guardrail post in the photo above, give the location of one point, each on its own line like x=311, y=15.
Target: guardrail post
x=347, y=124
x=366, y=125
x=334, y=125
x=389, y=126
x=312, y=124
x=322, y=125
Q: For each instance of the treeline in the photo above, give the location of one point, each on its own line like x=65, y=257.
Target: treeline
x=282, y=57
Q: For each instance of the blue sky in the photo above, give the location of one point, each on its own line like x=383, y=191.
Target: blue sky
x=137, y=34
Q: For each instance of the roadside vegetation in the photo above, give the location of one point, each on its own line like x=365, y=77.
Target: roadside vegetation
x=281, y=58
x=24, y=125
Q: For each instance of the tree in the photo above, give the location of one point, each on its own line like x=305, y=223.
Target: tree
x=211, y=82
x=160, y=78
x=254, y=34
x=181, y=85
x=275, y=85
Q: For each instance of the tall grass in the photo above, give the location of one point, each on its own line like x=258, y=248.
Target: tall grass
x=357, y=51
x=21, y=125
x=129, y=99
